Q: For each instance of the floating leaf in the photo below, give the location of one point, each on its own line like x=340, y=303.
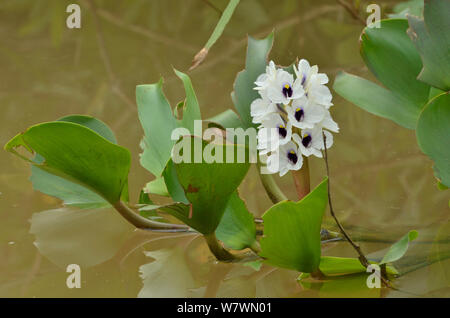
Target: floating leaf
x=292, y=231
x=399, y=248
x=79, y=155
x=433, y=135
x=255, y=64
x=237, y=227
x=432, y=39
x=333, y=266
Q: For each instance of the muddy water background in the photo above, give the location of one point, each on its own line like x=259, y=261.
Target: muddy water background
x=382, y=185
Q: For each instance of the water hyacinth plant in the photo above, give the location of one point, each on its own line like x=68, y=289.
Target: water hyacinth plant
x=287, y=113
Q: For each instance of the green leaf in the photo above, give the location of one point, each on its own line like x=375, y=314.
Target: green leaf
x=255, y=64
x=226, y=16
x=158, y=122
x=292, y=231
x=433, y=131
x=157, y=186
x=208, y=186
x=399, y=248
x=191, y=109
x=413, y=7
x=391, y=56
x=226, y=119
x=237, y=228
x=374, y=99
x=173, y=185
x=334, y=266
x=144, y=198
x=432, y=39
x=72, y=194
x=78, y=154
x=217, y=33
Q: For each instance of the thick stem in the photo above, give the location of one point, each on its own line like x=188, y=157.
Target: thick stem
x=273, y=191
x=146, y=224
x=302, y=179
x=218, y=250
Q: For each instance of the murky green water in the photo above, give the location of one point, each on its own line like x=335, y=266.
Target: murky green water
x=382, y=184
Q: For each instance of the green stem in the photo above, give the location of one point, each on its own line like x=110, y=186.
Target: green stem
x=219, y=251
x=144, y=223
x=273, y=191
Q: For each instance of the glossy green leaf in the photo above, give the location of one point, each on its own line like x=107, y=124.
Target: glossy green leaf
x=292, y=231
x=432, y=39
x=433, y=135
x=157, y=186
x=77, y=154
x=374, y=99
x=398, y=249
x=237, y=227
x=72, y=194
x=158, y=122
x=208, y=186
x=255, y=64
x=226, y=119
x=391, y=56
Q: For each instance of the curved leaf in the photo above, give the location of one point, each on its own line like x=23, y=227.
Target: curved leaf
x=374, y=99
x=226, y=119
x=237, y=228
x=432, y=39
x=399, y=248
x=77, y=154
x=292, y=231
x=255, y=64
x=433, y=131
x=72, y=194
x=391, y=56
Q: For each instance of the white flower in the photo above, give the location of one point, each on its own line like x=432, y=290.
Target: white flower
x=311, y=141
x=328, y=123
x=273, y=132
x=305, y=114
x=266, y=78
x=314, y=83
x=260, y=108
x=287, y=157
x=278, y=85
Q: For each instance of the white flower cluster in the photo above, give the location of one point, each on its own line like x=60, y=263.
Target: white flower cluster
x=293, y=111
